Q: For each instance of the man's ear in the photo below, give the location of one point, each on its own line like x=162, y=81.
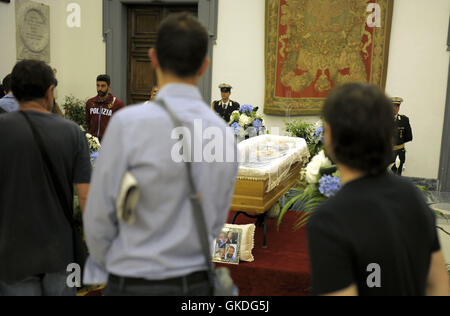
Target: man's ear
x=49, y=92
x=49, y=97
x=153, y=58
x=204, y=67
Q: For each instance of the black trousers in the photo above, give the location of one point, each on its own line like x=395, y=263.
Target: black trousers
x=195, y=284
x=402, y=155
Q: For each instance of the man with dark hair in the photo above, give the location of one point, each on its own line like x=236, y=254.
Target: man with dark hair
x=8, y=103
x=231, y=254
x=101, y=108
x=36, y=245
x=376, y=236
x=225, y=107
x=2, y=91
x=160, y=253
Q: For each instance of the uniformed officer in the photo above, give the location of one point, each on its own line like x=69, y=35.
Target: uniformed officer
x=225, y=106
x=403, y=135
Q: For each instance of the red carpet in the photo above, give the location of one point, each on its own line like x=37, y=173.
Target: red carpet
x=280, y=270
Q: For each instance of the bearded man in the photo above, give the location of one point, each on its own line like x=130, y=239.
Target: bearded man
x=101, y=108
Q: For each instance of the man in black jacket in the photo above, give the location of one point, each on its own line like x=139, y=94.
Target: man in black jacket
x=403, y=135
x=225, y=107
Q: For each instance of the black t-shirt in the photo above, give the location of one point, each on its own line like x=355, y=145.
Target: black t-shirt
x=35, y=236
x=382, y=220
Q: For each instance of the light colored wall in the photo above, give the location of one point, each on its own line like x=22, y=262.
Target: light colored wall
x=418, y=72
x=418, y=62
x=78, y=54
x=418, y=68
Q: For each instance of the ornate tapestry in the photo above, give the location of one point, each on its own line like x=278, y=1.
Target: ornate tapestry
x=313, y=46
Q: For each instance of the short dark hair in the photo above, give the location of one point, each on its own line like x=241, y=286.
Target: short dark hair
x=181, y=45
x=7, y=83
x=31, y=80
x=361, y=118
x=104, y=78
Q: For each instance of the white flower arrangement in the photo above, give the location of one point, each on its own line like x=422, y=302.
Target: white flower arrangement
x=313, y=168
x=93, y=142
x=320, y=181
x=247, y=121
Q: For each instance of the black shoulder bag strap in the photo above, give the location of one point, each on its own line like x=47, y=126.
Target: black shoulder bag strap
x=65, y=204
x=197, y=208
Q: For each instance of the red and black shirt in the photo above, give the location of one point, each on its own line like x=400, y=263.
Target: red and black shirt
x=98, y=114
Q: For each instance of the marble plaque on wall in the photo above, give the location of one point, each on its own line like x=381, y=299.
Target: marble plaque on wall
x=32, y=30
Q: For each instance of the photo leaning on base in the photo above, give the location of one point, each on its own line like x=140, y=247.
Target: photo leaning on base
x=227, y=246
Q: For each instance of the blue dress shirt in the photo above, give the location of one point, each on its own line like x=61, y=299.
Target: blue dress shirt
x=9, y=103
x=163, y=242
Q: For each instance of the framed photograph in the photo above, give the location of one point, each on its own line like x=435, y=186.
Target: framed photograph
x=227, y=246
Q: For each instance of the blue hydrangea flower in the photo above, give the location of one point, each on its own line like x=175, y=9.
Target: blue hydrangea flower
x=257, y=124
x=236, y=128
x=329, y=185
x=246, y=109
x=320, y=132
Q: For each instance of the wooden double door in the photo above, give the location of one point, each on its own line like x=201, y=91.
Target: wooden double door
x=143, y=23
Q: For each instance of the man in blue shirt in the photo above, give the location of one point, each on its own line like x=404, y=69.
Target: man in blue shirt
x=8, y=103
x=160, y=252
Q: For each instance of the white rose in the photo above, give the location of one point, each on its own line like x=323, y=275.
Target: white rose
x=313, y=168
x=244, y=120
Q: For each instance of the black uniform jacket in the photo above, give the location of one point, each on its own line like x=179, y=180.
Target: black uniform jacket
x=403, y=130
x=226, y=113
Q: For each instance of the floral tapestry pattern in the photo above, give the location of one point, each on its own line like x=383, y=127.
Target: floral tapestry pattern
x=313, y=46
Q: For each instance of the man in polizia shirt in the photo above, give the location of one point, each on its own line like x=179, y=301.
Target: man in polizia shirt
x=101, y=108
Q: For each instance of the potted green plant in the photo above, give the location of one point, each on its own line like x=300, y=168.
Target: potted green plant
x=75, y=110
x=312, y=133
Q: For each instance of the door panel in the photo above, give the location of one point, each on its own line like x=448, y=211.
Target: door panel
x=143, y=23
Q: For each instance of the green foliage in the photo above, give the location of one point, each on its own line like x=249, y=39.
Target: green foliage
x=302, y=129
x=307, y=198
x=75, y=110
x=437, y=212
x=305, y=130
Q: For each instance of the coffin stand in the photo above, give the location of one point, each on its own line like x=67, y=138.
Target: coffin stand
x=252, y=199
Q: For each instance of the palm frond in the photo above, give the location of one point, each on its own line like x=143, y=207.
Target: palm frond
x=286, y=208
x=439, y=214
x=305, y=201
x=422, y=188
x=443, y=230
